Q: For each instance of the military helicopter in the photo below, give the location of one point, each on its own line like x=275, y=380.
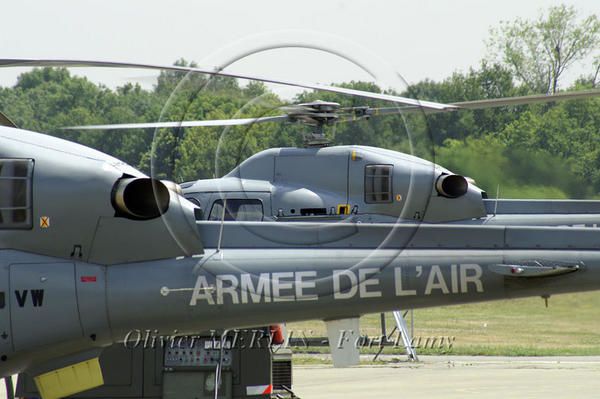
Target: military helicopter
x=92, y=248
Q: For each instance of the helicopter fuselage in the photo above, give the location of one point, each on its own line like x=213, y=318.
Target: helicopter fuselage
x=371, y=184
x=92, y=250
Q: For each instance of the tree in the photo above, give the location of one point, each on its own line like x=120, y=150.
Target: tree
x=595, y=77
x=539, y=52
x=487, y=82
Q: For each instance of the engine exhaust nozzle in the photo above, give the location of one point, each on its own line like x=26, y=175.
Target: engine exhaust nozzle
x=451, y=186
x=140, y=198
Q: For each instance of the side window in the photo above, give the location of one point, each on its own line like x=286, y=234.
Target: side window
x=378, y=183
x=15, y=193
x=238, y=209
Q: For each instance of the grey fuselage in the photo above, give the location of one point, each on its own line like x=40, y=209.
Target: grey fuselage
x=83, y=273
x=331, y=184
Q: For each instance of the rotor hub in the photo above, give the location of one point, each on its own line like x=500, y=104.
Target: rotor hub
x=317, y=114
x=314, y=113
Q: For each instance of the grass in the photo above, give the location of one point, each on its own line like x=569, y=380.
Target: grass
x=520, y=327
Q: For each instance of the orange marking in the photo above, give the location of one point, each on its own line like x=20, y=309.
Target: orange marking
x=44, y=222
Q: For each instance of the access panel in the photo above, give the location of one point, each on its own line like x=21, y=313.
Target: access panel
x=43, y=304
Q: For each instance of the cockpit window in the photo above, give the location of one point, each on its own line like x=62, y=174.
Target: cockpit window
x=15, y=193
x=248, y=210
x=378, y=183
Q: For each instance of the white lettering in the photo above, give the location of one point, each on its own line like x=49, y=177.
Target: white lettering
x=365, y=282
x=398, y=282
x=231, y=289
x=301, y=285
x=436, y=274
x=466, y=279
x=337, y=285
x=279, y=285
x=262, y=289
x=202, y=291
x=344, y=337
x=454, y=278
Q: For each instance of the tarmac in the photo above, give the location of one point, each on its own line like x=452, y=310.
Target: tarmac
x=452, y=377
x=455, y=377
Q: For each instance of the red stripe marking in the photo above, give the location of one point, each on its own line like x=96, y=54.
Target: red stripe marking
x=269, y=390
x=88, y=279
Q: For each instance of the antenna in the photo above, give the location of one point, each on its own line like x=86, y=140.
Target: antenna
x=222, y=224
x=497, y=195
x=219, y=366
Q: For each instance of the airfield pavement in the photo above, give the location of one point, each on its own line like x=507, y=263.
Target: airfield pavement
x=452, y=377
x=455, y=377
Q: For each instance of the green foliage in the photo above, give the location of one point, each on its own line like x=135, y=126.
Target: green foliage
x=490, y=81
x=516, y=172
x=539, y=52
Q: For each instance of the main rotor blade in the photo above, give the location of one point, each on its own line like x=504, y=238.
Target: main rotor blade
x=348, y=114
x=23, y=62
x=5, y=121
x=156, y=125
x=474, y=105
x=536, y=98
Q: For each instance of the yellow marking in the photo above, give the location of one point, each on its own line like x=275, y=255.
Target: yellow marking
x=343, y=209
x=398, y=197
x=353, y=155
x=70, y=380
x=45, y=222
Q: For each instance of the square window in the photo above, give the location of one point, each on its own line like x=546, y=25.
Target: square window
x=248, y=210
x=16, y=193
x=378, y=184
